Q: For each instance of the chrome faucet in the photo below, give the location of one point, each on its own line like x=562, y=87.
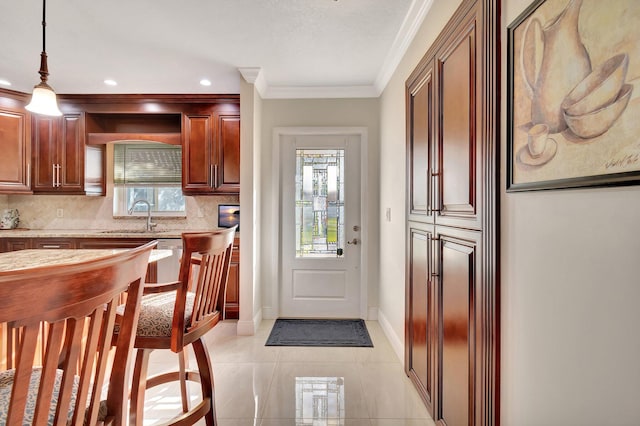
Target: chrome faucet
x=150, y=225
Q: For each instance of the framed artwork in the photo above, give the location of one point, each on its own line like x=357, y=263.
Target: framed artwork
x=573, y=97
x=229, y=215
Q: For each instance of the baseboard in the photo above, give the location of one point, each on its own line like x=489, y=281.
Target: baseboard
x=395, y=341
x=248, y=328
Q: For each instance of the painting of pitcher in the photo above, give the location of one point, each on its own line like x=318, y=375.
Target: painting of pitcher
x=573, y=68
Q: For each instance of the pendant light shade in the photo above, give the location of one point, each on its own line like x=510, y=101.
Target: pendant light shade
x=43, y=99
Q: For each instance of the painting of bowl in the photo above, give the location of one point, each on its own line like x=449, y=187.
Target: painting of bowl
x=597, y=122
x=601, y=87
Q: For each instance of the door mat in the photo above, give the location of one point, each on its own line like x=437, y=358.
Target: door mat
x=320, y=332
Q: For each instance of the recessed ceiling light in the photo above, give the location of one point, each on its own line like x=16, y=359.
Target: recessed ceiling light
x=110, y=82
x=5, y=82
x=205, y=82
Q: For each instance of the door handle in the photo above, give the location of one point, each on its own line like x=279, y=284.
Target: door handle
x=355, y=242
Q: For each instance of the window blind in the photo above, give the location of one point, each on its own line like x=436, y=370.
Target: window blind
x=147, y=163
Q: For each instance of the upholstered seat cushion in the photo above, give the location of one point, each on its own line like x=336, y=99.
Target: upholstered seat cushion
x=6, y=382
x=156, y=313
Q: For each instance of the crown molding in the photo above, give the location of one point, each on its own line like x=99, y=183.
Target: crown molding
x=319, y=92
x=255, y=76
x=410, y=26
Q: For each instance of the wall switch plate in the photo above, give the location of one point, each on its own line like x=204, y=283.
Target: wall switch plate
x=59, y=213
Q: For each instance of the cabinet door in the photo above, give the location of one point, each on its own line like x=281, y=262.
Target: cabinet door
x=15, y=160
x=58, y=154
x=45, y=153
x=419, y=322
x=227, y=166
x=232, y=301
x=420, y=139
x=198, y=155
x=459, y=149
x=71, y=154
x=232, y=298
x=457, y=290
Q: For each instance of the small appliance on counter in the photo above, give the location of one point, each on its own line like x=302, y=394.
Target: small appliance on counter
x=10, y=219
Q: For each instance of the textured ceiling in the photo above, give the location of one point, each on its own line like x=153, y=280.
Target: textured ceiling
x=302, y=47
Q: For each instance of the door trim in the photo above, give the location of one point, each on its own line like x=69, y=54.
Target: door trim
x=276, y=176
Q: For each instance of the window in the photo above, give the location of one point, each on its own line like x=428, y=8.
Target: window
x=148, y=171
x=319, y=202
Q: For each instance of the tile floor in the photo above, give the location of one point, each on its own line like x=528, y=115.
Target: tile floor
x=257, y=385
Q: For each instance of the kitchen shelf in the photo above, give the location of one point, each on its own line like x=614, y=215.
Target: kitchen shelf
x=173, y=138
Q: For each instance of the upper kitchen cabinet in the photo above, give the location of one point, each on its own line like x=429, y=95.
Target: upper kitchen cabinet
x=59, y=155
x=211, y=151
x=15, y=135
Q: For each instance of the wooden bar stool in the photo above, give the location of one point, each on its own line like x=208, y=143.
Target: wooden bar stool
x=177, y=314
x=77, y=302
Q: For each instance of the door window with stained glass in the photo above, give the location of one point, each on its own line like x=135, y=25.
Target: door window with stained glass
x=319, y=202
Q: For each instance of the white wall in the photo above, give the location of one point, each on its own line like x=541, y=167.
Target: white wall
x=570, y=291
x=318, y=113
x=570, y=277
x=250, y=202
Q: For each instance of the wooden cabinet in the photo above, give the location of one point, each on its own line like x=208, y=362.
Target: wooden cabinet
x=24, y=243
x=15, y=140
x=451, y=326
x=232, y=300
x=211, y=151
x=58, y=154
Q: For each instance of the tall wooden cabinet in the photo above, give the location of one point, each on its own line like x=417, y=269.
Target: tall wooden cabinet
x=15, y=140
x=452, y=335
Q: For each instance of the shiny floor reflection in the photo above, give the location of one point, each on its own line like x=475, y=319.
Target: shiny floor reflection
x=259, y=385
x=320, y=401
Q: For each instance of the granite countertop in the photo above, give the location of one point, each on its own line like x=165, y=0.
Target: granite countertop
x=91, y=233
x=25, y=259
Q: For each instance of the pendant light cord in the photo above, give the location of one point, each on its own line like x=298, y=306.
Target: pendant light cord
x=44, y=24
x=44, y=68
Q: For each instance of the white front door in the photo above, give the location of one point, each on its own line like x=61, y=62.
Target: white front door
x=320, y=226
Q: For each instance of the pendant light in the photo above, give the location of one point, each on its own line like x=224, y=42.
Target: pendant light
x=43, y=100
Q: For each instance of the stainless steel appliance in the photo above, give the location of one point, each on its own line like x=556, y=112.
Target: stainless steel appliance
x=169, y=267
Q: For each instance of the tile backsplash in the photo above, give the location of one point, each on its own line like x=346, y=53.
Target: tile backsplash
x=83, y=212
